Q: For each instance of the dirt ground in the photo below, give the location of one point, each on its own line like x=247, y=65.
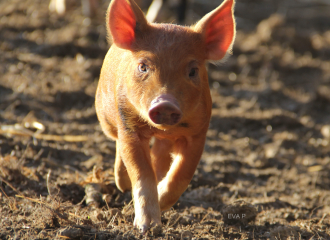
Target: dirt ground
x=265, y=171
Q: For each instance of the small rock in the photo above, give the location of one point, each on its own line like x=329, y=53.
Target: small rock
x=72, y=233
x=187, y=219
x=156, y=230
x=289, y=216
x=186, y=235
x=93, y=194
x=272, y=149
x=99, y=215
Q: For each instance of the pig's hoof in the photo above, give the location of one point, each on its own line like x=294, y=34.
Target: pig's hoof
x=143, y=227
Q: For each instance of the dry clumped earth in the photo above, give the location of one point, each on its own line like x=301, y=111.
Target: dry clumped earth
x=265, y=172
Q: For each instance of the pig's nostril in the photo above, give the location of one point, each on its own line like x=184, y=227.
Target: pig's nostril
x=175, y=117
x=155, y=116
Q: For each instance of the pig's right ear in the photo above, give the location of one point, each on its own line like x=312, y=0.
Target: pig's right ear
x=218, y=30
x=124, y=21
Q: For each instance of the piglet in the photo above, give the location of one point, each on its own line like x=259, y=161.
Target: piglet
x=154, y=83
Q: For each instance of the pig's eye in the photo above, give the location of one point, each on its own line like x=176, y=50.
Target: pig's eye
x=143, y=68
x=193, y=72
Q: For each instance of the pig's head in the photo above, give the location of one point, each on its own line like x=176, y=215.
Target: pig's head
x=166, y=78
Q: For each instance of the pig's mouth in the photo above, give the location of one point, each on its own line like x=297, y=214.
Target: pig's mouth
x=164, y=111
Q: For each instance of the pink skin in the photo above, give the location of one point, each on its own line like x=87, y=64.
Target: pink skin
x=165, y=110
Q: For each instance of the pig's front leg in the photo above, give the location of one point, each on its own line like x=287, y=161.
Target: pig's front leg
x=135, y=154
x=187, y=152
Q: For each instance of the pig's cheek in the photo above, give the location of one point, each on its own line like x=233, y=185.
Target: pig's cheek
x=133, y=94
x=144, y=105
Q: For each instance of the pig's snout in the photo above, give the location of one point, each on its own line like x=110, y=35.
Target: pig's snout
x=165, y=113
x=164, y=110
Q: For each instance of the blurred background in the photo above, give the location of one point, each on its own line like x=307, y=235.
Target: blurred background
x=268, y=141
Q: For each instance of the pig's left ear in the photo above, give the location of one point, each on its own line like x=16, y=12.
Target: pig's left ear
x=125, y=20
x=218, y=29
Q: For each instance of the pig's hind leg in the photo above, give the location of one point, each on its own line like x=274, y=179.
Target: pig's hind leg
x=122, y=179
x=186, y=155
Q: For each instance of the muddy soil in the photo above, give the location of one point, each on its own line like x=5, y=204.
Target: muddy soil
x=265, y=171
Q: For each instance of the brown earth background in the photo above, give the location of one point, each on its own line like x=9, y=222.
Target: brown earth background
x=265, y=171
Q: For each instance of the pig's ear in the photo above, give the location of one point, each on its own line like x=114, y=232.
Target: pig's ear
x=218, y=29
x=124, y=21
